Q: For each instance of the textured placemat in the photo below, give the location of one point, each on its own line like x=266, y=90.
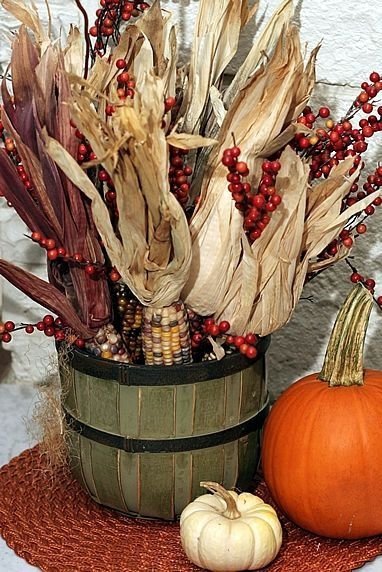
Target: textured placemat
x=55, y=526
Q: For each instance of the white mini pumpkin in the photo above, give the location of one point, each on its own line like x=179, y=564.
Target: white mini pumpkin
x=229, y=532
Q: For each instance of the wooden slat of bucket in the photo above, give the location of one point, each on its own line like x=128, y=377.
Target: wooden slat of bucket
x=207, y=464
x=249, y=449
x=104, y=461
x=85, y=453
x=252, y=390
x=157, y=418
x=82, y=387
x=232, y=401
x=182, y=480
x=68, y=394
x=129, y=411
x=157, y=482
x=231, y=464
x=184, y=410
x=130, y=485
x=74, y=446
x=104, y=405
x=209, y=406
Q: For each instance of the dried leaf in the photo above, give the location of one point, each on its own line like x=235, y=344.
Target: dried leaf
x=260, y=297
x=216, y=38
x=185, y=141
x=257, y=118
x=27, y=15
x=45, y=294
x=217, y=105
x=74, y=52
x=153, y=255
x=261, y=49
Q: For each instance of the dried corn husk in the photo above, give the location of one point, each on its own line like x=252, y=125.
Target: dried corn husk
x=260, y=293
x=257, y=118
x=216, y=39
x=261, y=49
x=27, y=15
x=153, y=253
x=40, y=93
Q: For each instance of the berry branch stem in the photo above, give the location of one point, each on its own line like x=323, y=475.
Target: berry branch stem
x=87, y=37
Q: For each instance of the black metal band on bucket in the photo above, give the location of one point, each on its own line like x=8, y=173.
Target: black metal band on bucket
x=176, y=445
x=156, y=376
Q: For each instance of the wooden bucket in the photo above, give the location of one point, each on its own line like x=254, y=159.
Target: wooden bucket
x=141, y=438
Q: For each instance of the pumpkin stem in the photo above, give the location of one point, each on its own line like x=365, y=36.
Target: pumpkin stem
x=231, y=511
x=343, y=364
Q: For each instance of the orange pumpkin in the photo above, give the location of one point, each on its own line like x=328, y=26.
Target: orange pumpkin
x=322, y=444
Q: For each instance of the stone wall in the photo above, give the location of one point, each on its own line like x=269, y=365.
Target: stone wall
x=351, y=49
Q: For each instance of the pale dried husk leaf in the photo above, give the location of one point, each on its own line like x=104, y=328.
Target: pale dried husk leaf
x=216, y=39
x=154, y=250
x=74, y=52
x=256, y=117
x=27, y=15
x=185, y=141
x=259, y=298
x=261, y=49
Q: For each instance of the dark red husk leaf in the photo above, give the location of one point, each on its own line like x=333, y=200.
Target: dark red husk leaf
x=45, y=294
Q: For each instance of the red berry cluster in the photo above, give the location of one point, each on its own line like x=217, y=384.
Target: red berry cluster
x=84, y=150
x=126, y=84
x=110, y=16
x=50, y=326
x=179, y=173
x=54, y=252
x=255, y=206
x=202, y=328
x=333, y=142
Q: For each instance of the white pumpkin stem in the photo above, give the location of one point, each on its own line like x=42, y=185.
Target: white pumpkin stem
x=343, y=364
x=231, y=511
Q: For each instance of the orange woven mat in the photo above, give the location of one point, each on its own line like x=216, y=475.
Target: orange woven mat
x=54, y=525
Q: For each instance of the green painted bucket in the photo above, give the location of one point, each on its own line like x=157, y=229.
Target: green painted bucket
x=141, y=438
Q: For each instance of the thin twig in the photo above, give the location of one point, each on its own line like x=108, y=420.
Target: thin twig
x=87, y=37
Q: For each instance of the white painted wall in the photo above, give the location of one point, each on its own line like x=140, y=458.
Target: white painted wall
x=351, y=49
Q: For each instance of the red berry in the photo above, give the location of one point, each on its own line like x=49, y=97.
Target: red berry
x=251, y=339
x=214, y=330
x=77, y=257
x=251, y=352
x=90, y=269
x=235, y=151
x=374, y=77
x=238, y=341
x=348, y=242
x=52, y=254
x=50, y=244
x=36, y=236
x=114, y=275
x=40, y=326
x=243, y=348
x=169, y=103
x=242, y=168
x=80, y=343
x=9, y=326
x=356, y=277
x=370, y=283
x=120, y=64
x=49, y=331
x=6, y=337
x=48, y=320
x=224, y=327
x=29, y=329
x=379, y=300
x=361, y=228
x=324, y=112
